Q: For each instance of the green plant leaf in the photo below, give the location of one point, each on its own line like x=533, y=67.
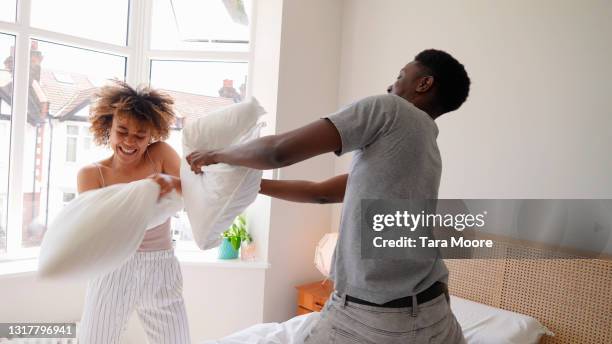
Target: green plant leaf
x=238, y=232
x=235, y=241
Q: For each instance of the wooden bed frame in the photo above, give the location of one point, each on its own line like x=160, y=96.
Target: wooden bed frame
x=571, y=297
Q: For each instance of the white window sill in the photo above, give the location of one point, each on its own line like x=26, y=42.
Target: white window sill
x=209, y=258
x=188, y=253
x=14, y=268
x=187, y=256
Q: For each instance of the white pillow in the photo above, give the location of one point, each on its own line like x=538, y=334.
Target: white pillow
x=482, y=324
x=214, y=199
x=100, y=229
x=221, y=128
x=165, y=207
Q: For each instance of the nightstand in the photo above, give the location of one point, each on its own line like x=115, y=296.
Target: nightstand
x=312, y=296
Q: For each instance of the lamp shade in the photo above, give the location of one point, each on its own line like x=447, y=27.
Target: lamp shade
x=324, y=252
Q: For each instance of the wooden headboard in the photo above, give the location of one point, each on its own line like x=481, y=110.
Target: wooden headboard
x=571, y=297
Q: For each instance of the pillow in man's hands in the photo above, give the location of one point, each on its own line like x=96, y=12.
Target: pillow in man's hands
x=214, y=198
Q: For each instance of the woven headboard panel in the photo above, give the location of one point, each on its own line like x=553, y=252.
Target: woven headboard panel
x=571, y=297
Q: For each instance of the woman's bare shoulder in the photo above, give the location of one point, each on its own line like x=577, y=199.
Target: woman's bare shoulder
x=161, y=151
x=88, y=177
x=90, y=169
x=167, y=157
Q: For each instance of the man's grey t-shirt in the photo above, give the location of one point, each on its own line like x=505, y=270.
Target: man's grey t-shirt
x=396, y=157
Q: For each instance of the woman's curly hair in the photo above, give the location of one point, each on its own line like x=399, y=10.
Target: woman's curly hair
x=148, y=106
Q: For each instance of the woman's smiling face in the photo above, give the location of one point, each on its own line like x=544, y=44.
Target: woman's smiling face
x=129, y=138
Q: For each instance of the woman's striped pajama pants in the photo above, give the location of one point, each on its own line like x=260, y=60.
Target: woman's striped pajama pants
x=150, y=283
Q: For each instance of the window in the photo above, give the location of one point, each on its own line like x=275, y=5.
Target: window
x=2, y=220
x=52, y=121
x=87, y=143
x=197, y=51
x=201, y=25
x=213, y=79
x=104, y=21
x=6, y=99
x=79, y=142
x=204, y=85
x=5, y=108
x=5, y=137
x=72, y=137
x=61, y=76
x=71, y=143
x=199, y=87
x=8, y=10
x=72, y=130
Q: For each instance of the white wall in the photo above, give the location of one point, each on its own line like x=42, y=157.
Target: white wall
x=307, y=90
x=222, y=300
x=538, y=122
x=26, y=299
x=218, y=300
x=264, y=71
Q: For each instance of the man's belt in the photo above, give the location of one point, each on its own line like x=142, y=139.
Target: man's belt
x=435, y=290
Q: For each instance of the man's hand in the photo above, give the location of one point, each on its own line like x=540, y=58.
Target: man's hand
x=199, y=159
x=167, y=183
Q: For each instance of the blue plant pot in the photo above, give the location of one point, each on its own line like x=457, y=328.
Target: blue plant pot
x=226, y=250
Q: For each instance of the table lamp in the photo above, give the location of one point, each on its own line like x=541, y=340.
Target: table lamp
x=324, y=252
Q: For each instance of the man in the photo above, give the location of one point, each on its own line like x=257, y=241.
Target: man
x=396, y=157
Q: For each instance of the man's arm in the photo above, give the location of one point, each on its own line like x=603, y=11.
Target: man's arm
x=328, y=191
x=274, y=151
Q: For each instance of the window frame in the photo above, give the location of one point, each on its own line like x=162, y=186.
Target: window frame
x=138, y=55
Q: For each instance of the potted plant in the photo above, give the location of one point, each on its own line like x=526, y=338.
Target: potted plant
x=233, y=238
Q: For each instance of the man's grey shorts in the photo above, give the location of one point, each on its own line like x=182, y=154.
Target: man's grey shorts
x=347, y=322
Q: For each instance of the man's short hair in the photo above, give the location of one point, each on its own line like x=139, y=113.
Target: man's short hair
x=450, y=78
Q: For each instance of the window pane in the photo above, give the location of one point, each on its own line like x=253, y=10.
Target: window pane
x=62, y=80
x=198, y=88
x=7, y=43
x=87, y=142
x=105, y=21
x=71, y=149
x=197, y=25
x=72, y=130
x=211, y=79
x=7, y=46
x=8, y=10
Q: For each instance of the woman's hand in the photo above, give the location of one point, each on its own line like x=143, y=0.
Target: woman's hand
x=167, y=183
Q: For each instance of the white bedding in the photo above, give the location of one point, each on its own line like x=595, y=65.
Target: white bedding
x=481, y=324
x=273, y=333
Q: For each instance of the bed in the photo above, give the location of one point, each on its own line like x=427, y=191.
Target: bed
x=481, y=324
x=539, y=292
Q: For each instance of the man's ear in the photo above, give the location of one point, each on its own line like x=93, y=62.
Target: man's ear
x=425, y=84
